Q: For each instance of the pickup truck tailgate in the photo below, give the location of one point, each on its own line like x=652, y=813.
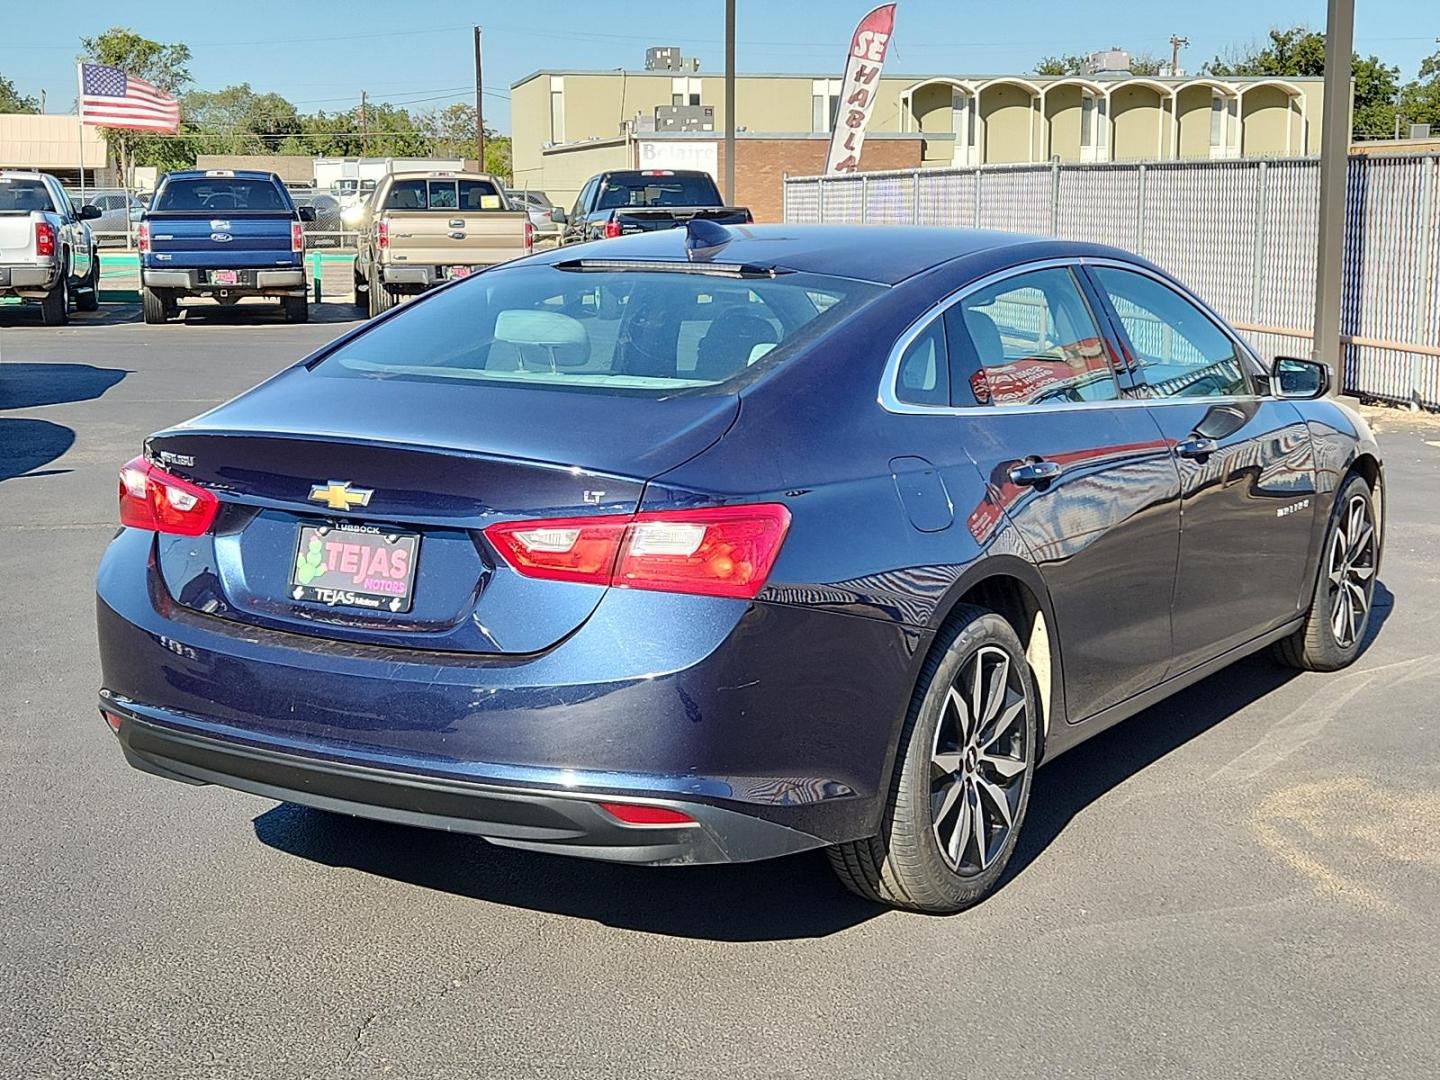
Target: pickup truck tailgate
x=455, y=238
x=17, y=237
x=203, y=240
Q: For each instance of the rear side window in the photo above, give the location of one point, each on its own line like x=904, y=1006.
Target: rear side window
x=220, y=194
x=1032, y=339
x=924, y=377
x=629, y=331
x=646, y=191
x=1178, y=347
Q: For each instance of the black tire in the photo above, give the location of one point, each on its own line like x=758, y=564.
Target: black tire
x=905, y=864
x=362, y=301
x=1340, y=609
x=380, y=298
x=156, y=305
x=55, y=308
x=90, y=299
x=297, y=308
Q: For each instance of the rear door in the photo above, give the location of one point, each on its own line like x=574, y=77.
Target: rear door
x=1245, y=463
x=1081, y=472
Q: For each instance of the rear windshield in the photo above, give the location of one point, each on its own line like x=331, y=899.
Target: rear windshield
x=444, y=195
x=627, y=331
x=221, y=194
x=22, y=196
x=658, y=191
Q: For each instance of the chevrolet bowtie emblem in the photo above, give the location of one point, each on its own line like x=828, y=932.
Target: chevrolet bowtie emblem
x=339, y=495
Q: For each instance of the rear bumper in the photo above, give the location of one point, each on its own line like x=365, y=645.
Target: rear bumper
x=22, y=277
x=420, y=276
x=281, y=282
x=535, y=818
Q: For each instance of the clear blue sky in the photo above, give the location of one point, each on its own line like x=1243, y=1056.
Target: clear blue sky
x=322, y=54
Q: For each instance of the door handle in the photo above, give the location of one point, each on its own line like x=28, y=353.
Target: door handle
x=1197, y=448
x=1034, y=471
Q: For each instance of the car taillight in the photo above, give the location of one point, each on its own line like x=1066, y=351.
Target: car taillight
x=143, y=241
x=44, y=238
x=151, y=498
x=529, y=236
x=297, y=236
x=382, y=235
x=612, y=229
x=714, y=551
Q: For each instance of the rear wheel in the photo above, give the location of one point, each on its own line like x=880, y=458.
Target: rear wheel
x=1339, y=614
x=55, y=308
x=155, y=304
x=89, y=299
x=962, y=776
x=361, y=288
x=297, y=308
x=380, y=298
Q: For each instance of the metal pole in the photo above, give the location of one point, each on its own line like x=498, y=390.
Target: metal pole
x=479, y=106
x=364, y=128
x=80, y=124
x=1334, y=156
x=730, y=102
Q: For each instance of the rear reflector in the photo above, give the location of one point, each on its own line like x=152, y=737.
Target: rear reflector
x=112, y=719
x=714, y=551
x=150, y=498
x=636, y=814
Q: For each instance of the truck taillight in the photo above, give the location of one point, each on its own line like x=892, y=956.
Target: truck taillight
x=44, y=238
x=612, y=229
x=382, y=235
x=529, y=236
x=711, y=551
x=143, y=240
x=151, y=498
x=749, y=218
x=297, y=236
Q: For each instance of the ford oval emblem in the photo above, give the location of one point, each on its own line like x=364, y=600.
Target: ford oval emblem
x=221, y=237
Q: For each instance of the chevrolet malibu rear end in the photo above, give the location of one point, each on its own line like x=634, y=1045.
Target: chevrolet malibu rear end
x=479, y=566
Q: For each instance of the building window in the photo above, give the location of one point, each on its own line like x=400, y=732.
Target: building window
x=557, y=108
x=824, y=104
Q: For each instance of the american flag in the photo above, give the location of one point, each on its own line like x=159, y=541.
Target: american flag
x=110, y=98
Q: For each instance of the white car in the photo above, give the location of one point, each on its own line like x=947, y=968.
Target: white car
x=47, y=252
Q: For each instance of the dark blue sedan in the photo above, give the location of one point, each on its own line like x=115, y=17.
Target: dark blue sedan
x=717, y=545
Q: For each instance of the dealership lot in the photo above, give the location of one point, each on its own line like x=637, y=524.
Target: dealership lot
x=1238, y=882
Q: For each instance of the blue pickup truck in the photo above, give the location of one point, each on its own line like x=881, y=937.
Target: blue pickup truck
x=226, y=234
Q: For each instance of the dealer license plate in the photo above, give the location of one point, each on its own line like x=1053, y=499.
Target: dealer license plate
x=224, y=277
x=355, y=567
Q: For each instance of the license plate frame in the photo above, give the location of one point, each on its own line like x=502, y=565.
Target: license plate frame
x=336, y=566
x=224, y=277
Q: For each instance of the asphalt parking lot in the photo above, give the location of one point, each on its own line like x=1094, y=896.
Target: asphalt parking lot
x=1240, y=882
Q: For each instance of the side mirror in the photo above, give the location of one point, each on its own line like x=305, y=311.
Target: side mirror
x=1302, y=379
x=136, y=213
x=88, y=212
x=558, y=216
x=307, y=213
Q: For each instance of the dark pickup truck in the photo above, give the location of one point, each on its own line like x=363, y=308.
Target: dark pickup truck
x=644, y=200
x=225, y=234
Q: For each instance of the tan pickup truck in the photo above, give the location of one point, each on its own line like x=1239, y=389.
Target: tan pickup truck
x=421, y=229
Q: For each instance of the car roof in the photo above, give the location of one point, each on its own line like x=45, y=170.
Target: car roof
x=240, y=174
x=886, y=255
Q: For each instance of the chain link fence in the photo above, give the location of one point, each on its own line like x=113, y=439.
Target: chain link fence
x=1241, y=233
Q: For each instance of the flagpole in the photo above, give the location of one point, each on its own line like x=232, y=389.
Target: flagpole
x=80, y=122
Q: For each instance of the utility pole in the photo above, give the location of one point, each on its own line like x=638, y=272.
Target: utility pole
x=730, y=102
x=1176, y=44
x=42, y=99
x=1334, y=159
x=479, y=106
x=364, y=127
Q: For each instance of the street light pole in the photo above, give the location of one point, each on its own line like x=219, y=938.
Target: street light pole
x=1334, y=157
x=730, y=102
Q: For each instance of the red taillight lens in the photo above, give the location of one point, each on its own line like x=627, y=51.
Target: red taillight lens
x=44, y=238
x=612, y=229
x=297, y=236
x=150, y=498
x=529, y=236
x=715, y=551
x=143, y=240
x=749, y=218
x=382, y=235
x=637, y=814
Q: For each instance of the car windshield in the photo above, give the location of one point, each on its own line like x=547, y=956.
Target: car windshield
x=215, y=194
x=659, y=190
x=23, y=195
x=631, y=331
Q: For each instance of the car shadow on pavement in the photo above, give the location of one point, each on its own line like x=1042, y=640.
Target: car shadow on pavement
x=26, y=445
x=28, y=386
x=260, y=314
x=782, y=899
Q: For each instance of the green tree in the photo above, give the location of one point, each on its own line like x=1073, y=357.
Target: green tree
x=164, y=66
x=1420, y=98
x=12, y=101
x=1065, y=64
x=450, y=132
x=1146, y=64
x=237, y=120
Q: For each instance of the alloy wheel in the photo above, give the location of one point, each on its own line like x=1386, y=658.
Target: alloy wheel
x=1351, y=572
x=979, y=761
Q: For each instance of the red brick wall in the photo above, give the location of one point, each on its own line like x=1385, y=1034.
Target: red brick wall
x=761, y=165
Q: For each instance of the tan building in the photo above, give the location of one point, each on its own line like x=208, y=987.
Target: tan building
x=559, y=117
x=52, y=143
